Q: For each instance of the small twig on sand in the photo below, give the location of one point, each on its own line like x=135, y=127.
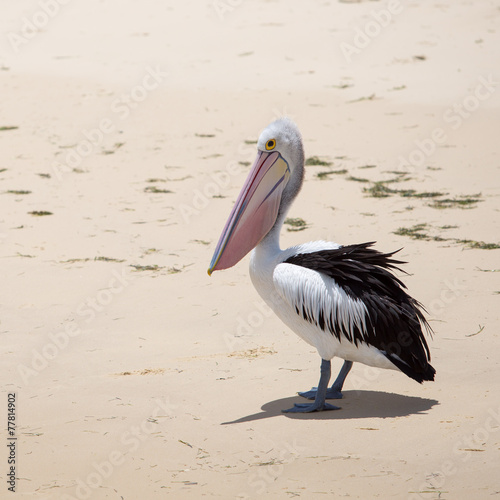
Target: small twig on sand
x=481, y=328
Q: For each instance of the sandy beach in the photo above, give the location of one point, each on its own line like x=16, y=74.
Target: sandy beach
x=126, y=132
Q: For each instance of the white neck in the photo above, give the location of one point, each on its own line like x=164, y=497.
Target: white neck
x=271, y=241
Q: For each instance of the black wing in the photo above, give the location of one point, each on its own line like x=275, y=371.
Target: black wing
x=395, y=319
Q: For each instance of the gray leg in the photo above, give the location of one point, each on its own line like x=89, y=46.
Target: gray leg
x=336, y=388
x=334, y=392
x=319, y=402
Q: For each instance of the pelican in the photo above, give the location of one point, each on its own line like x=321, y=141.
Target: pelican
x=343, y=300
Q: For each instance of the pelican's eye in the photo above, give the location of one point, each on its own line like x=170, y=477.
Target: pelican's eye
x=270, y=144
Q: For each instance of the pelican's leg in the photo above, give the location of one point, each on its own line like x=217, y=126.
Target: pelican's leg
x=319, y=403
x=334, y=392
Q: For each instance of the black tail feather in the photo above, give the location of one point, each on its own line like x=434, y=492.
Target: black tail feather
x=427, y=372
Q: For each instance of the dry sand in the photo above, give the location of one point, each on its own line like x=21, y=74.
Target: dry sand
x=135, y=374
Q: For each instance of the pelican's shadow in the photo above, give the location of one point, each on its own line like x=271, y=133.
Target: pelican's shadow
x=355, y=404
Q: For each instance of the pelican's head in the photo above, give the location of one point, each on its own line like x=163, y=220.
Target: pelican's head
x=273, y=182
x=283, y=136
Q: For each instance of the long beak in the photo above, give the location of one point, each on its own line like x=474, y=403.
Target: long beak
x=255, y=211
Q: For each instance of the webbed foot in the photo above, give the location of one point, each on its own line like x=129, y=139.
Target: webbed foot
x=310, y=407
x=331, y=393
x=319, y=394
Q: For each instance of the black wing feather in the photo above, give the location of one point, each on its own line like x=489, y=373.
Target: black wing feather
x=395, y=319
